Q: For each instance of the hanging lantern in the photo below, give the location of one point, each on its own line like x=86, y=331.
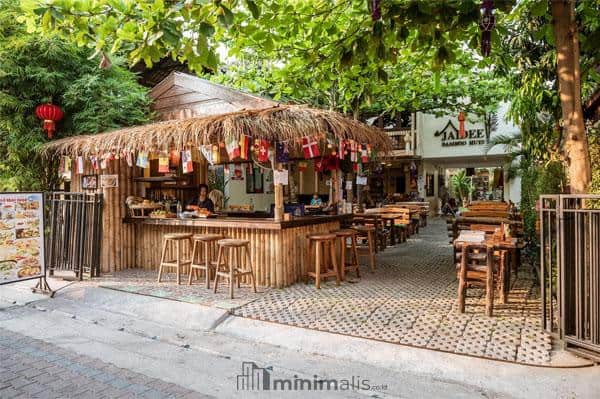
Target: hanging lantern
x=50, y=114
x=487, y=23
x=375, y=10
x=461, y=125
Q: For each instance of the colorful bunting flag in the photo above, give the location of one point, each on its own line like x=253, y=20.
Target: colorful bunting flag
x=364, y=156
x=207, y=153
x=174, y=158
x=61, y=166
x=244, y=147
x=80, y=165
x=103, y=163
x=68, y=165
x=310, y=147
x=353, y=152
x=129, y=159
x=233, y=146
x=187, y=165
x=94, y=162
x=142, y=159
x=263, y=151
x=341, y=150
x=163, y=163
x=283, y=152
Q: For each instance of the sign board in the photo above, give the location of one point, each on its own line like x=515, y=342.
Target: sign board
x=450, y=137
x=361, y=180
x=281, y=177
x=21, y=237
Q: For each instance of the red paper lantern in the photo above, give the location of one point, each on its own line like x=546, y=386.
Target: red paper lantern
x=50, y=114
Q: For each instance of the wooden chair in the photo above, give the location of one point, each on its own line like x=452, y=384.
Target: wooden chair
x=367, y=233
x=323, y=244
x=380, y=235
x=480, y=265
x=232, y=270
x=203, y=255
x=347, y=263
x=174, y=240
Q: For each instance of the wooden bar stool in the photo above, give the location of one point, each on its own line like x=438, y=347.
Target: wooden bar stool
x=368, y=233
x=226, y=267
x=352, y=264
x=204, y=251
x=323, y=243
x=175, y=240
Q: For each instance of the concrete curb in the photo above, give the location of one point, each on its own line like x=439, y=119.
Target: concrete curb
x=495, y=376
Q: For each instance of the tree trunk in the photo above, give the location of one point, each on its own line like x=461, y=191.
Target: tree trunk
x=569, y=87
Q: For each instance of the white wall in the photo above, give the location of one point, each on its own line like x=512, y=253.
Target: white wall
x=236, y=191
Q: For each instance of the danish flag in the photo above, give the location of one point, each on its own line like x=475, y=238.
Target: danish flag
x=310, y=147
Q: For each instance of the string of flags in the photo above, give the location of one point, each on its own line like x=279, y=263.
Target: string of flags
x=239, y=148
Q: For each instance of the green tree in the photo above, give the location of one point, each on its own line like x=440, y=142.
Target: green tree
x=35, y=70
x=348, y=51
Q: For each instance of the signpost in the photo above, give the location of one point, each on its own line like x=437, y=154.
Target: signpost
x=22, y=239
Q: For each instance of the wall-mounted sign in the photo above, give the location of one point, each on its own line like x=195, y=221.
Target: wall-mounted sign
x=21, y=237
x=450, y=136
x=109, y=181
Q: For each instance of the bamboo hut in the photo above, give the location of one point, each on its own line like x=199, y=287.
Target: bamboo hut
x=277, y=245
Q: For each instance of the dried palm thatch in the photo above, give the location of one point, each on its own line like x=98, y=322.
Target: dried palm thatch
x=280, y=123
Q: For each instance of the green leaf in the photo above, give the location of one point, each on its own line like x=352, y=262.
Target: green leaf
x=206, y=29
x=254, y=10
x=539, y=8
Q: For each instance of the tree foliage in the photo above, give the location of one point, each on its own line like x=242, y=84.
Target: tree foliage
x=35, y=70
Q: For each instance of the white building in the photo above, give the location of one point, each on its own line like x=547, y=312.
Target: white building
x=436, y=151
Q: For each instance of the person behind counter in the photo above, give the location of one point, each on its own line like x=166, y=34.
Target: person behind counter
x=316, y=201
x=201, y=201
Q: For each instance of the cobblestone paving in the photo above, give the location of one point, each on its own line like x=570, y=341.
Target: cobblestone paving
x=31, y=368
x=143, y=282
x=411, y=299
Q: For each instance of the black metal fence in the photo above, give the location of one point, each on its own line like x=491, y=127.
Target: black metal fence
x=570, y=270
x=74, y=232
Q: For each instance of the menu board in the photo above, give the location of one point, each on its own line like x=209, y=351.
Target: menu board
x=21, y=237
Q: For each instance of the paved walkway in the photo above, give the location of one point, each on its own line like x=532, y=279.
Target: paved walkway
x=30, y=368
x=411, y=300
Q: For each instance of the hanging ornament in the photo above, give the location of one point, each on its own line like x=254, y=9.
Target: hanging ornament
x=375, y=10
x=50, y=114
x=487, y=23
x=461, y=125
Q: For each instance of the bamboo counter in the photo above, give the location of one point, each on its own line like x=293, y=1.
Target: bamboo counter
x=278, y=249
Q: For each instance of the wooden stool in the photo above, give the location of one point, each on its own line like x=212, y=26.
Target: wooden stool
x=204, y=247
x=352, y=265
x=174, y=238
x=321, y=242
x=233, y=271
x=367, y=232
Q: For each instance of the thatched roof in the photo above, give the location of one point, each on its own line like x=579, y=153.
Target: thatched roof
x=280, y=123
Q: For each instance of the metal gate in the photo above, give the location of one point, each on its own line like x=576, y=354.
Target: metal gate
x=570, y=270
x=74, y=226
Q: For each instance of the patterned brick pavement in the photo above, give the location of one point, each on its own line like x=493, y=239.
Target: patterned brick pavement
x=31, y=368
x=411, y=299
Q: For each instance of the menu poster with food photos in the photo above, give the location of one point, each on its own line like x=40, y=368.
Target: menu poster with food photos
x=21, y=237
